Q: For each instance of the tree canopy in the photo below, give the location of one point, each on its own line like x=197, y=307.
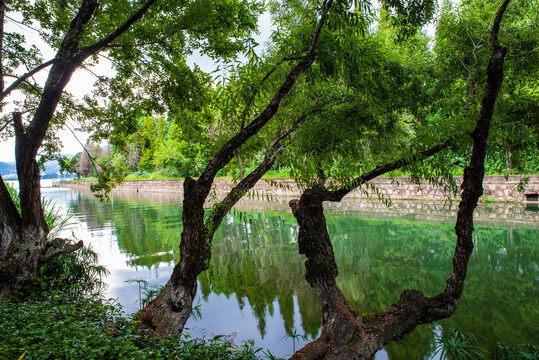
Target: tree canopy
x=342, y=93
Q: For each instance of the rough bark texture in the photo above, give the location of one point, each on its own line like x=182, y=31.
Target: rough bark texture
x=23, y=241
x=169, y=311
x=345, y=335
x=2, y=14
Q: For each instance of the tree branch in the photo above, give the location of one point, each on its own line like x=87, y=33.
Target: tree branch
x=246, y=184
x=68, y=57
x=337, y=195
x=226, y=153
x=495, y=42
x=92, y=49
x=4, y=126
x=59, y=246
x=2, y=16
x=14, y=85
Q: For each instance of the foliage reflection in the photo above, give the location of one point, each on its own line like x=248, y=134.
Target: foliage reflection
x=255, y=259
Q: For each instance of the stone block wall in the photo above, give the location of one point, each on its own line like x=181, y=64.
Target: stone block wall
x=496, y=188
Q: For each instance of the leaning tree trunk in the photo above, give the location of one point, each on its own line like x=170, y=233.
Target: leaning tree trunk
x=170, y=310
x=346, y=335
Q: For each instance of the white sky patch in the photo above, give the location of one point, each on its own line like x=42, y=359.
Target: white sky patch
x=82, y=81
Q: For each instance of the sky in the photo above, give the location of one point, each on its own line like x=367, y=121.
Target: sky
x=82, y=83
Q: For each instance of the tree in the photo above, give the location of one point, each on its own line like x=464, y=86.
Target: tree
x=87, y=161
x=24, y=237
x=346, y=335
x=169, y=311
x=79, y=31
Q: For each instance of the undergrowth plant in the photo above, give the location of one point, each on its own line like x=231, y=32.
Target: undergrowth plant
x=62, y=314
x=76, y=274
x=459, y=345
x=462, y=345
x=53, y=328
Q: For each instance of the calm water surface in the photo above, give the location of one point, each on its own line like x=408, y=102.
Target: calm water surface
x=255, y=287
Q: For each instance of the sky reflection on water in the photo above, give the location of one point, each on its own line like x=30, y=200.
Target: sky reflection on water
x=255, y=287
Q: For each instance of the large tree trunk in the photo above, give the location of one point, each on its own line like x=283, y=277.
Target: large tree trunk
x=346, y=335
x=170, y=310
x=23, y=246
x=23, y=236
x=23, y=242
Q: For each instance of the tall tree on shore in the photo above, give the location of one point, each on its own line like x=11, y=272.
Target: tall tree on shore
x=169, y=311
x=24, y=247
x=78, y=31
x=347, y=335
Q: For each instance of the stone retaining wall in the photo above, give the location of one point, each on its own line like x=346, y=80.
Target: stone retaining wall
x=497, y=188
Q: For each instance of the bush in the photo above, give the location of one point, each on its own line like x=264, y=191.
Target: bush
x=51, y=328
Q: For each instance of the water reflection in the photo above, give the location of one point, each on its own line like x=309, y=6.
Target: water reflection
x=255, y=285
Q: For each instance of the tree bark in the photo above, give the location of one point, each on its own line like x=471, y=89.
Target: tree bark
x=170, y=310
x=345, y=335
x=24, y=247
x=2, y=15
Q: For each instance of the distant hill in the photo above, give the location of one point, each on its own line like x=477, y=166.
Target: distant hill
x=51, y=170
x=8, y=170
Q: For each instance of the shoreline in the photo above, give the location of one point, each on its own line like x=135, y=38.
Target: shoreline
x=496, y=188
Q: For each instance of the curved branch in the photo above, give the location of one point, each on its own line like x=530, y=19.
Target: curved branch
x=67, y=59
x=59, y=246
x=246, y=184
x=496, y=26
x=337, y=195
x=226, y=153
x=92, y=49
x=14, y=85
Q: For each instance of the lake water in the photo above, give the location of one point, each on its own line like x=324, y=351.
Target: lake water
x=255, y=287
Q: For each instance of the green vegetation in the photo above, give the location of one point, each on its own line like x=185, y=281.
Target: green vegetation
x=458, y=345
x=257, y=263
x=340, y=88
x=50, y=326
x=62, y=314
x=372, y=96
x=356, y=338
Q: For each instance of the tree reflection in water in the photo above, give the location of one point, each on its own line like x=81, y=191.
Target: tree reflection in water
x=256, y=262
